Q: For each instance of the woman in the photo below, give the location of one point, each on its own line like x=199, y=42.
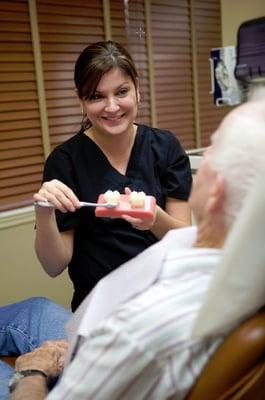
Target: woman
x=110, y=152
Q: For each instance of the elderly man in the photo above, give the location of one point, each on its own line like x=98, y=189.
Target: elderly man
x=144, y=348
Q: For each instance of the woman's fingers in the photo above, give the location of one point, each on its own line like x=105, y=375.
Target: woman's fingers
x=59, y=194
x=127, y=191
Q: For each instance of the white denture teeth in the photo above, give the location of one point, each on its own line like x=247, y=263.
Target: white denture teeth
x=137, y=199
x=112, y=197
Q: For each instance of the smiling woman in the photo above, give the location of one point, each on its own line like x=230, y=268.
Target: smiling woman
x=110, y=152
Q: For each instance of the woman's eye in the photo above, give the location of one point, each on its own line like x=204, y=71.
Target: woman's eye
x=96, y=97
x=123, y=92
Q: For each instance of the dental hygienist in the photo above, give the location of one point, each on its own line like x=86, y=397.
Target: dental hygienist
x=110, y=152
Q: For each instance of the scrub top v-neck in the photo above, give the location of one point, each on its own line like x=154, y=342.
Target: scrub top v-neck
x=158, y=166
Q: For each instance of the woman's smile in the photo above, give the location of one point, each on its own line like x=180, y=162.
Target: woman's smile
x=113, y=117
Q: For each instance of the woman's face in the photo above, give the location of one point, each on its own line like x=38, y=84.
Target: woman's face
x=113, y=109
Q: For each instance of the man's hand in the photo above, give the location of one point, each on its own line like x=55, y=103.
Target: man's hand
x=48, y=358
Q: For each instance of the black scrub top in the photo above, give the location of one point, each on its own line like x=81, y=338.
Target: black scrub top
x=158, y=166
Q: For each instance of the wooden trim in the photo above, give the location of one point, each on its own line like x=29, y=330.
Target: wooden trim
x=19, y=216
x=39, y=76
x=107, y=19
x=195, y=77
x=152, y=95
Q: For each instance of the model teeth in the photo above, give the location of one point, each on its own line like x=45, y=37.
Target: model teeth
x=137, y=199
x=112, y=197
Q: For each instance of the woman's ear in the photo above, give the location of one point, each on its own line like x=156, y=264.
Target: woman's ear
x=81, y=103
x=137, y=89
x=216, y=199
x=138, y=96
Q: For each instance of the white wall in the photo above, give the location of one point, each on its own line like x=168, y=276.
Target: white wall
x=21, y=274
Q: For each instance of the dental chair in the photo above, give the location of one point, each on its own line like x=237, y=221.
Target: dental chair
x=237, y=369
x=9, y=360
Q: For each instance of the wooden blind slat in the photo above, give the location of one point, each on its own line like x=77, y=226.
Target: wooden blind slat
x=65, y=20
x=63, y=11
x=18, y=173
x=22, y=105
x=69, y=3
x=70, y=30
x=18, y=189
x=20, y=152
x=7, y=27
x=11, y=125
x=11, y=183
x=19, y=143
x=20, y=134
x=13, y=96
x=20, y=162
x=13, y=16
x=19, y=115
x=17, y=77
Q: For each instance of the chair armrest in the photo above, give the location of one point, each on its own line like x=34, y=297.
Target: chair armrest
x=9, y=360
x=238, y=355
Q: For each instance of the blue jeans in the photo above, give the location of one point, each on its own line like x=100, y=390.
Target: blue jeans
x=26, y=325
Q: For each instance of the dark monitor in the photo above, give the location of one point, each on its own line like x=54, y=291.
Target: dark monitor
x=250, y=65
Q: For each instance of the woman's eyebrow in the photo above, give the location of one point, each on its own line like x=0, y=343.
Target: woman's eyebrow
x=117, y=88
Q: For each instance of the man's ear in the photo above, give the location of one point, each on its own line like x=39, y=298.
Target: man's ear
x=217, y=195
x=78, y=98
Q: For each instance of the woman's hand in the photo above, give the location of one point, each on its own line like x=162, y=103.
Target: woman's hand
x=177, y=214
x=138, y=223
x=60, y=195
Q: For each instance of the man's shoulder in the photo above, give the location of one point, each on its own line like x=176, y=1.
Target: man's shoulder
x=191, y=260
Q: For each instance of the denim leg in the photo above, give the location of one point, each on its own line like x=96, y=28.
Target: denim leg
x=27, y=324
x=5, y=375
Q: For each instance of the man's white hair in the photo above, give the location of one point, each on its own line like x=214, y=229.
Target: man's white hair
x=256, y=91
x=237, y=153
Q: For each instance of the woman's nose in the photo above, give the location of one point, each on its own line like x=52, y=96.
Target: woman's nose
x=112, y=104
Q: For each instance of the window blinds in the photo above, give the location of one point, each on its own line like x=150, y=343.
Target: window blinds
x=170, y=41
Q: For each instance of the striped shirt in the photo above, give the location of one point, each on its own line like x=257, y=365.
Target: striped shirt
x=144, y=349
